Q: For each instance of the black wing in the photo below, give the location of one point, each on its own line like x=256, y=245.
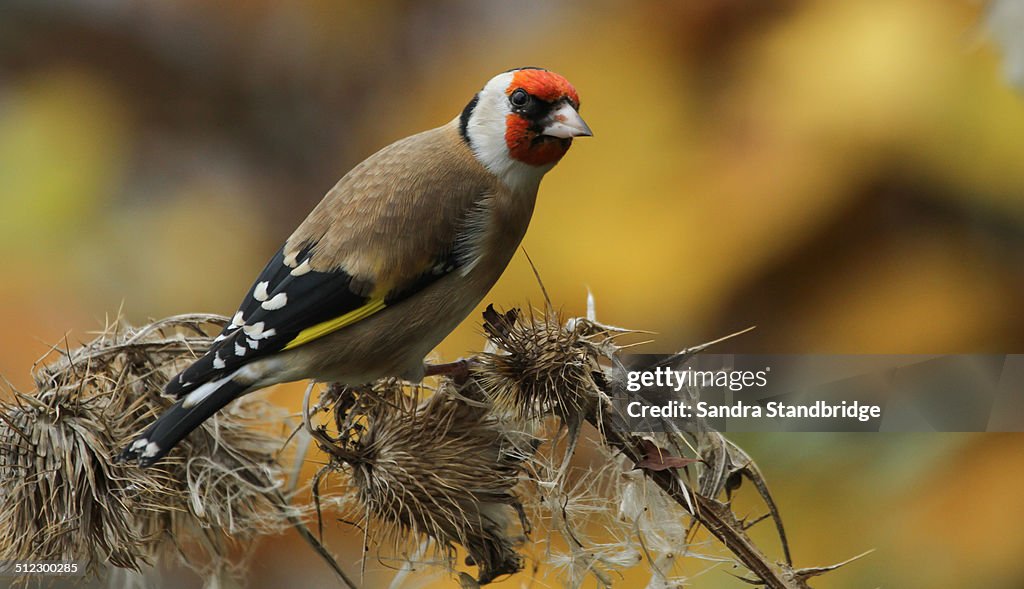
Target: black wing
x=284, y=301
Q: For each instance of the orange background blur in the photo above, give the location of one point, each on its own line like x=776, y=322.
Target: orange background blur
x=846, y=175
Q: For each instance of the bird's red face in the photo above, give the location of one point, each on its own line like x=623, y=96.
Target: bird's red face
x=521, y=123
x=543, y=118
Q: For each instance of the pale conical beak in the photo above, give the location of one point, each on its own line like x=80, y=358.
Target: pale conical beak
x=564, y=122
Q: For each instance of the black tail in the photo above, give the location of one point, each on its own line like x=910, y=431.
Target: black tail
x=177, y=422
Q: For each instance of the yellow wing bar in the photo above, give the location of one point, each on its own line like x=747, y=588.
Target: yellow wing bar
x=321, y=329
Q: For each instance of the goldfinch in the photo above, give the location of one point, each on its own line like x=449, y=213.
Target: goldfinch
x=393, y=258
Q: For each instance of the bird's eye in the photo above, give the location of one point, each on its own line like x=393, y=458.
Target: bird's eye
x=519, y=98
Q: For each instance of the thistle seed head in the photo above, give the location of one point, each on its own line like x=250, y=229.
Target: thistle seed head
x=540, y=366
x=441, y=468
x=65, y=498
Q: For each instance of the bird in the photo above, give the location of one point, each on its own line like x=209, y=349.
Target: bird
x=390, y=261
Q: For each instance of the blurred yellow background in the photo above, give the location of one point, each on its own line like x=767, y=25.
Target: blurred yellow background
x=847, y=175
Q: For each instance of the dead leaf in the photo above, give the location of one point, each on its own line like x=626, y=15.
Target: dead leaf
x=656, y=458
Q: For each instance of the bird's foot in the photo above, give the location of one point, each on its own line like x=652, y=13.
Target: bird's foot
x=458, y=370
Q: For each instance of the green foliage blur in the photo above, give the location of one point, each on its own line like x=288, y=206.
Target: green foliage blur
x=846, y=175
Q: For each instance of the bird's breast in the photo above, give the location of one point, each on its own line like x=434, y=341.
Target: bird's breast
x=493, y=232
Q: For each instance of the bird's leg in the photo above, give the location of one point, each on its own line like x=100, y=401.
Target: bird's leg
x=458, y=370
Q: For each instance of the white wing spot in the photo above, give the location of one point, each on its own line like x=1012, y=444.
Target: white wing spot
x=221, y=337
x=252, y=343
x=255, y=331
x=151, y=450
x=289, y=259
x=302, y=268
x=279, y=300
x=239, y=350
x=260, y=293
x=139, y=443
x=237, y=321
x=269, y=333
x=218, y=363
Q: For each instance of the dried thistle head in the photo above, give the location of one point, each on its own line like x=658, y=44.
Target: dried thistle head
x=541, y=366
x=441, y=468
x=64, y=497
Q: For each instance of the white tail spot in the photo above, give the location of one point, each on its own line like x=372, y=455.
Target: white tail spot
x=205, y=390
x=151, y=450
